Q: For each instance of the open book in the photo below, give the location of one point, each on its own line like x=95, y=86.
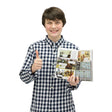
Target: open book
x=74, y=62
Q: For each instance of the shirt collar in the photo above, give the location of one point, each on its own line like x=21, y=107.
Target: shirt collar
x=51, y=43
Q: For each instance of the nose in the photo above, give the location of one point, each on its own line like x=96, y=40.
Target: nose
x=53, y=25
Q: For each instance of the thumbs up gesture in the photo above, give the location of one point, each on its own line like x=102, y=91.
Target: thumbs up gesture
x=37, y=63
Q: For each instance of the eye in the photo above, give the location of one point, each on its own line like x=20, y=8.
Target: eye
x=57, y=22
x=49, y=22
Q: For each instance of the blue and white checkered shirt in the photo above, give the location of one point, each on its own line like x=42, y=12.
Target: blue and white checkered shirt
x=49, y=93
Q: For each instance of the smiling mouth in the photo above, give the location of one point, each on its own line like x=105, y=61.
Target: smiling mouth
x=53, y=31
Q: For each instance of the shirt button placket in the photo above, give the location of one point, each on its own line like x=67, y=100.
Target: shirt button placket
x=50, y=98
x=52, y=88
x=53, y=54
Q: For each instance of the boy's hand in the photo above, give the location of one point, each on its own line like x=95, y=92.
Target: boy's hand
x=73, y=80
x=37, y=63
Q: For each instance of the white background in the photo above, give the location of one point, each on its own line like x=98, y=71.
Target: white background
x=89, y=26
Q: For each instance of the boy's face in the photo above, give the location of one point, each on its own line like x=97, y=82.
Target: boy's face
x=53, y=28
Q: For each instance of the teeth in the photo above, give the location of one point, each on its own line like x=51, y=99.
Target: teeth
x=54, y=31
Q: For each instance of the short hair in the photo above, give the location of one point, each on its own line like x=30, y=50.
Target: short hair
x=53, y=13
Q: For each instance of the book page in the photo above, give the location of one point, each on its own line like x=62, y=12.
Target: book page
x=74, y=62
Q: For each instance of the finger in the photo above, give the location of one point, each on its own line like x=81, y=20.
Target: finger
x=68, y=79
x=77, y=79
x=37, y=68
x=37, y=55
x=38, y=65
x=37, y=61
x=73, y=79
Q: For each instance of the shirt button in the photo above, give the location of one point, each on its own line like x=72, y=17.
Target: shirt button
x=52, y=87
x=54, y=52
x=50, y=98
x=53, y=75
x=53, y=64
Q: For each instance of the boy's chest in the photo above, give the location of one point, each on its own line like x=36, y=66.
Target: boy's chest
x=48, y=55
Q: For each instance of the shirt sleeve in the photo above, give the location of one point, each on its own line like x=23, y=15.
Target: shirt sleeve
x=26, y=74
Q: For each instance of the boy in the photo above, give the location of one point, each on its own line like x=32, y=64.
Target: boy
x=49, y=93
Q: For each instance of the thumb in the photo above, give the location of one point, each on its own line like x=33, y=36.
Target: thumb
x=37, y=55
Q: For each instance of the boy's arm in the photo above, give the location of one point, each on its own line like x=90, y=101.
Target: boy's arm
x=26, y=74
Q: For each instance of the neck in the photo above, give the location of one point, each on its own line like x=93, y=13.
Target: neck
x=54, y=39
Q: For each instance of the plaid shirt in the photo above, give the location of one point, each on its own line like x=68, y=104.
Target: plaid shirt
x=49, y=93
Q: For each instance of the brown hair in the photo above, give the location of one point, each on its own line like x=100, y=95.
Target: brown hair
x=53, y=13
